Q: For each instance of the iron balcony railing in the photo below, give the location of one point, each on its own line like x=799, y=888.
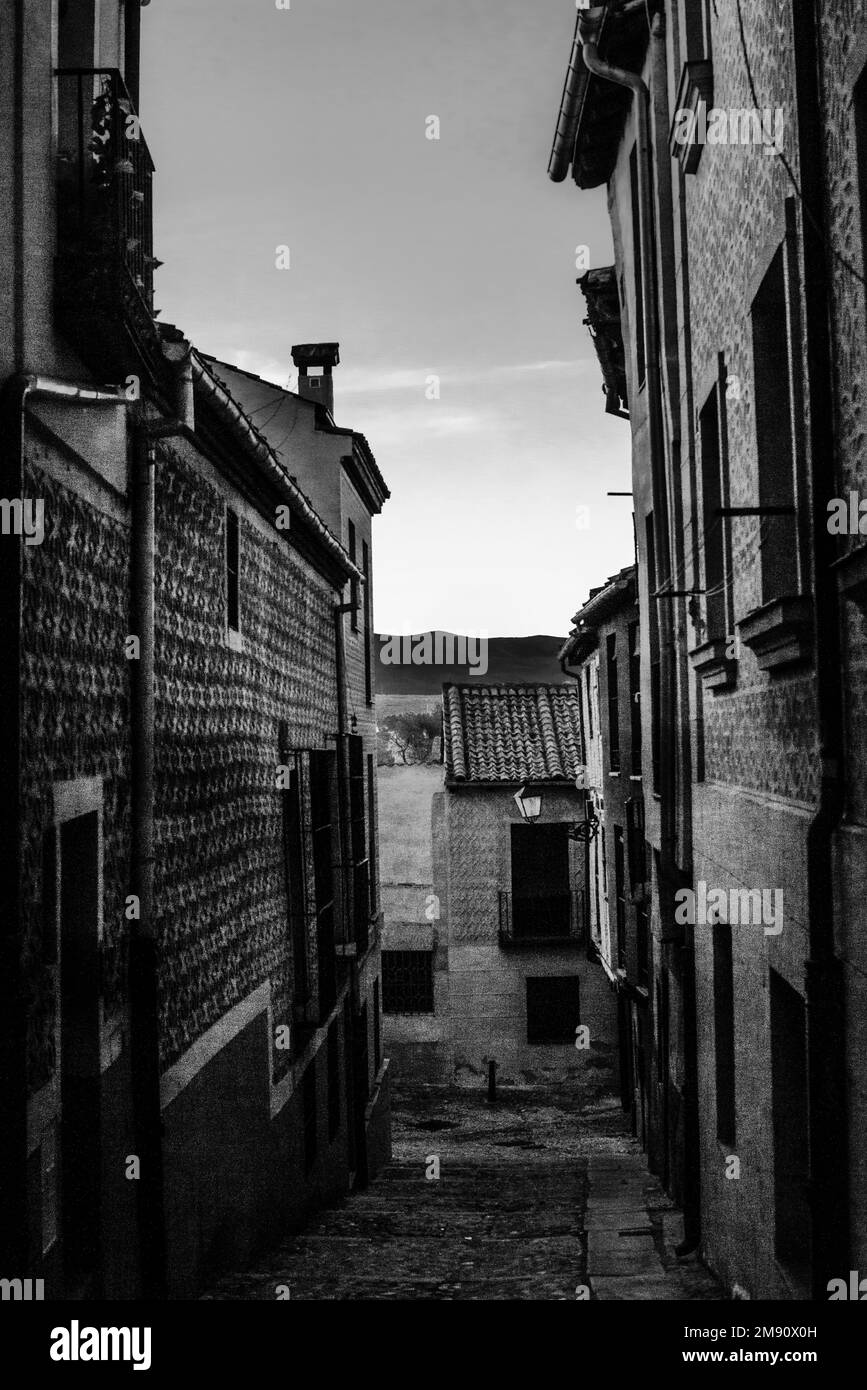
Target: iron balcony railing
x=555, y=919
x=105, y=260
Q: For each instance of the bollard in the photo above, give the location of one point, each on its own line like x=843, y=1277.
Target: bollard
x=492, y=1082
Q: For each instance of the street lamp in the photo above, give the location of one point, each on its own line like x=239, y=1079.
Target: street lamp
x=584, y=830
x=529, y=806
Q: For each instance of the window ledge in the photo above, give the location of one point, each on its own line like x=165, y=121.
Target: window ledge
x=710, y=662
x=695, y=91
x=779, y=633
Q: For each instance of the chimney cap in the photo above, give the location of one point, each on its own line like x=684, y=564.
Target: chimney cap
x=325, y=355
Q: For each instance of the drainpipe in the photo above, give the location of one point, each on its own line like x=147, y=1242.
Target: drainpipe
x=17, y=391
x=357, y=1101
x=824, y=983
x=143, y=965
x=668, y=713
x=342, y=769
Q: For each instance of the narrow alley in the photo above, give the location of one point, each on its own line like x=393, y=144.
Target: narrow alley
x=541, y=1196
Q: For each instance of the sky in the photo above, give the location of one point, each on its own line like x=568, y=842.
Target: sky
x=453, y=258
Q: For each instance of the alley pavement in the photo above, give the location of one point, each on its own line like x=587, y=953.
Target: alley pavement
x=541, y=1196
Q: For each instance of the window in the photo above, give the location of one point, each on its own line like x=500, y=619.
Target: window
x=358, y=841
x=655, y=655
x=354, y=582
x=333, y=1080
x=553, y=1012
x=639, y=270
x=371, y=829
x=293, y=868
x=642, y=943
x=724, y=1032
x=789, y=1105
x=541, y=890
x=634, y=639
x=695, y=27
x=377, y=1028
x=322, y=770
x=719, y=622
x=407, y=982
x=613, y=702
x=620, y=895
x=368, y=624
x=589, y=703
x=310, y=1118
x=79, y=845
x=233, y=603
x=778, y=544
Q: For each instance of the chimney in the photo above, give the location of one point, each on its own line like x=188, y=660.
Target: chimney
x=321, y=358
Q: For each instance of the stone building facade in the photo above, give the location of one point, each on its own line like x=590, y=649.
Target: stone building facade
x=512, y=895
x=603, y=654
x=190, y=964
x=733, y=153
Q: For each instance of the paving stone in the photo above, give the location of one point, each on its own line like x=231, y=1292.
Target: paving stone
x=535, y=1197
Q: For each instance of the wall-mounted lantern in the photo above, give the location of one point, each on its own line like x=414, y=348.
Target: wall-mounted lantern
x=529, y=806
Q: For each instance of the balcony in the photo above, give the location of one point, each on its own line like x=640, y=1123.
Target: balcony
x=104, y=267
x=531, y=922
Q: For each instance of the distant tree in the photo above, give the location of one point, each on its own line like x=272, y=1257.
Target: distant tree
x=409, y=738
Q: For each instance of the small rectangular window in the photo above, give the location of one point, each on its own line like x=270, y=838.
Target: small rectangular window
x=377, y=1028
x=724, y=1032
x=233, y=556
x=407, y=982
x=354, y=583
x=655, y=655
x=371, y=830
x=368, y=624
x=322, y=799
x=553, y=1008
x=358, y=843
x=778, y=534
x=310, y=1118
x=613, y=702
x=789, y=1107
x=635, y=698
x=714, y=527
x=333, y=1080
x=620, y=895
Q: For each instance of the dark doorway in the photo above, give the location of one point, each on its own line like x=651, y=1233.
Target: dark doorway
x=553, y=1008
x=79, y=1055
x=540, y=880
x=789, y=1102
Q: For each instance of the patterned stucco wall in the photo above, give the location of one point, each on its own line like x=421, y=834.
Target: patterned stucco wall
x=219, y=889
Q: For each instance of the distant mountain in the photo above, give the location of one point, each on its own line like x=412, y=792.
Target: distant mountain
x=510, y=660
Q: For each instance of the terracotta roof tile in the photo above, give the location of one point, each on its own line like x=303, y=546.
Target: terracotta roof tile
x=512, y=733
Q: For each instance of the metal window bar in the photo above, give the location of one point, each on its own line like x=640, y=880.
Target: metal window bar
x=105, y=202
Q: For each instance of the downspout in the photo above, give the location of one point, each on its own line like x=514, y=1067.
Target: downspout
x=17, y=391
x=357, y=1101
x=641, y=104
x=824, y=980
x=340, y=610
x=143, y=965
x=667, y=715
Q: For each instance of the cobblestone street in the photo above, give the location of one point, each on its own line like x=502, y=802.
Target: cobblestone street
x=537, y=1196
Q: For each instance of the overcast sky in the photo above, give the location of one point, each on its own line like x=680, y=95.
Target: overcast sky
x=454, y=257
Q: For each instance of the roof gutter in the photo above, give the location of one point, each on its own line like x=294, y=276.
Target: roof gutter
x=578, y=81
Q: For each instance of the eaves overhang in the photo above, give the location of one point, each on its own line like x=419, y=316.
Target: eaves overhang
x=592, y=110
